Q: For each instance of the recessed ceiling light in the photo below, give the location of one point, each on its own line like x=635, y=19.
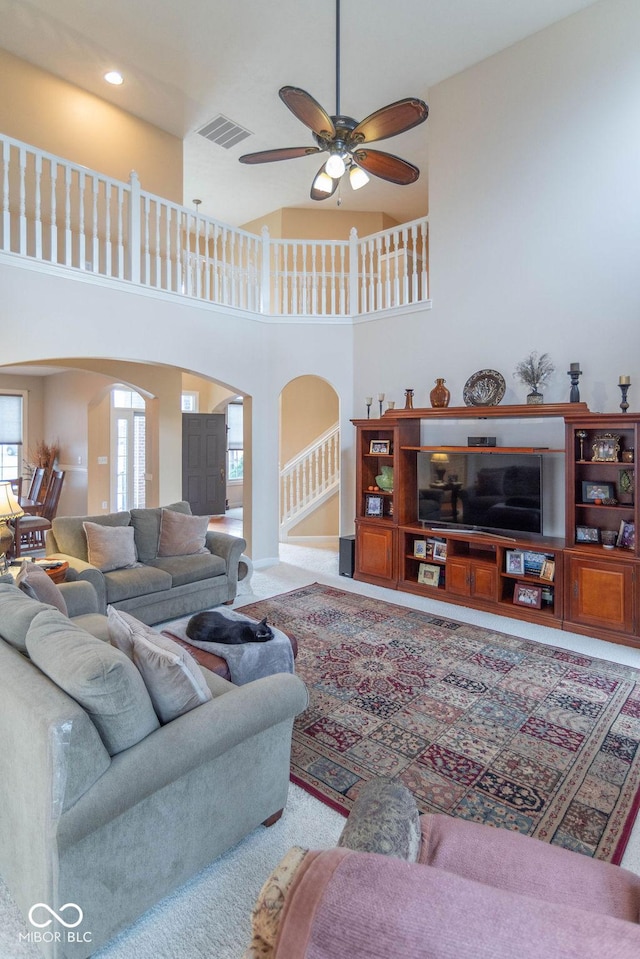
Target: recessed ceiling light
x=114, y=77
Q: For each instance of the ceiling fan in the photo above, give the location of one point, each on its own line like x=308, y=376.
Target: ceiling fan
x=345, y=139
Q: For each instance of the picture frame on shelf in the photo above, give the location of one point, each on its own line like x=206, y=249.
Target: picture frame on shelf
x=533, y=562
x=381, y=447
x=439, y=550
x=627, y=535
x=420, y=548
x=428, y=575
x=528, y=594
x=606, y=447
x=374, y=505
x=514, y=562
x=597, y=491
x=587, y=534
x=548, y=570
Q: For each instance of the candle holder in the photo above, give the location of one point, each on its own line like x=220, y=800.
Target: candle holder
x=574, y=372
x=582, y=435
x=368, y=400
x=624, y=389
x=380, y=401
x=408, y=399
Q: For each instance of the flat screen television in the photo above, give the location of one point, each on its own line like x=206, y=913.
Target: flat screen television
x=474, y=490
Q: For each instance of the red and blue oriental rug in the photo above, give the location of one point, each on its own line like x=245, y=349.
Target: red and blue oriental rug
x=478, y=724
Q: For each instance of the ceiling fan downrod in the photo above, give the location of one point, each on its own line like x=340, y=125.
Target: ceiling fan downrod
x=337, y=58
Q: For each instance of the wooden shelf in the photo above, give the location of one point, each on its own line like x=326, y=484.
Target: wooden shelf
x=487, y=412
x=484, y=449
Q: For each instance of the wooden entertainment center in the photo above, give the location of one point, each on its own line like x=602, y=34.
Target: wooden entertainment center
x=573, y=582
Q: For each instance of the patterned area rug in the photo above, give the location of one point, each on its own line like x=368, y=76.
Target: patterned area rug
x=477, y=724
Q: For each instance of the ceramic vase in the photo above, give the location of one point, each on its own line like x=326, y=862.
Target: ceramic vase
x=535, y=398
x=385, y=479
x=440, y=395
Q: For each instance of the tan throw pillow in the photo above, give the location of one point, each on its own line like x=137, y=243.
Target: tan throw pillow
x=181, y=534
x=173, y=678
x=110, y=547
x=33, y=581
x=108, y=687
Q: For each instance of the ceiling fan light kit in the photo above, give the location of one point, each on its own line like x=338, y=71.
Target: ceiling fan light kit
x=343, y=138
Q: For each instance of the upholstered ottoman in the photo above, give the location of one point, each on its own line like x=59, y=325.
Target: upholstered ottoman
x=235, y=663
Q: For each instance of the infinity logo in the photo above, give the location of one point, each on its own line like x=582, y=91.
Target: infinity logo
x=56, y=915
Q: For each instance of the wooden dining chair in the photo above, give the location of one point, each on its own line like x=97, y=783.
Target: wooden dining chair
x=16, y=486
x=36, y=483
x=29, y=530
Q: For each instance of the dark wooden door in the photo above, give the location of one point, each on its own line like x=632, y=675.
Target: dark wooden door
x=204, y=462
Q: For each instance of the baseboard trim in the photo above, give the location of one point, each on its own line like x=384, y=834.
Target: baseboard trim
x=318, y=542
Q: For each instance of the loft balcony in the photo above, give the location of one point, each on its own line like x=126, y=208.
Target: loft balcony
x=67, y=216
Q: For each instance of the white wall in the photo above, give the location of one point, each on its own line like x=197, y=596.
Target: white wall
x=534, y=178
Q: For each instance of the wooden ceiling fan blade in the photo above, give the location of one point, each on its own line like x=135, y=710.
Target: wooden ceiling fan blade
x=316, y=193
x=387, y=167
x=308, y=111
x=285, y=153
x=391, y=120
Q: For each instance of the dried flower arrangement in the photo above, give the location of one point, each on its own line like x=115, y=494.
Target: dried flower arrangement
x=534, y=370
x=44, y=454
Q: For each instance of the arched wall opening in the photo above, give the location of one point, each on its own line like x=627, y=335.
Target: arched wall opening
x=69, y=401
x=309, y=456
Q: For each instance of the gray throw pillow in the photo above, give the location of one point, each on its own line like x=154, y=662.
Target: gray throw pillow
x=17, y=610
x=146, y=523
x=110, y=547
x=384, y=819
x=173, y=678
x=98, y=676
x=33, y=581
x=182, y=535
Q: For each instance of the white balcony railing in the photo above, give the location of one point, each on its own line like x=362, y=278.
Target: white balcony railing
x=61, y=213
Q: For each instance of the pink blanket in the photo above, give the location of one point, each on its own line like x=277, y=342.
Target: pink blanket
x=366, y=906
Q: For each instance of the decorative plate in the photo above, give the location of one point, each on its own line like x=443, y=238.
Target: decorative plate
x=484, y=388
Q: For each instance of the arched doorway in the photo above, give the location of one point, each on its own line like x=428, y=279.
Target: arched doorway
x=309, y=457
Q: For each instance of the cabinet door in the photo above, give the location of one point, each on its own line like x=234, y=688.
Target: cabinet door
x=374, y=552
x=468, y=578
x=600, y=594
x=458, y=576
x=484, y=582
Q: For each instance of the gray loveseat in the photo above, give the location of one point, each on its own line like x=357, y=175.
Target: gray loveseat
x=114, y=834
x=158, y=587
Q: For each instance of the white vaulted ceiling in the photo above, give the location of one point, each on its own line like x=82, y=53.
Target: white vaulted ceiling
x=187, y=61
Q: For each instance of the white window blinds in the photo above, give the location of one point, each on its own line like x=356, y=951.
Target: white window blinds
x=10, y=420
x=235, y=440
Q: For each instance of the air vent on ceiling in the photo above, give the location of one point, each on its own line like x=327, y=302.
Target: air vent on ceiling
x=223, y=131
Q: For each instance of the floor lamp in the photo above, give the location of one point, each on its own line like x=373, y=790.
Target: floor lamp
x=9, y=509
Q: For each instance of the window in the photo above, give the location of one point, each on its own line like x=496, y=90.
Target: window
x=128, y=454
x=190, y=401
x=127, y=400
x=10, y=436
x=235, y=442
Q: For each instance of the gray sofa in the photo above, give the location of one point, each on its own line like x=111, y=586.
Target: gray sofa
x=158, y=587
x=114, y=834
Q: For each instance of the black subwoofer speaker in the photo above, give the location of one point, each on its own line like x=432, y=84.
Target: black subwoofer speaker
x=347, y=555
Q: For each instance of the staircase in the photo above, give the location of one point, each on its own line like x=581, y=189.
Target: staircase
x=309, y=479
